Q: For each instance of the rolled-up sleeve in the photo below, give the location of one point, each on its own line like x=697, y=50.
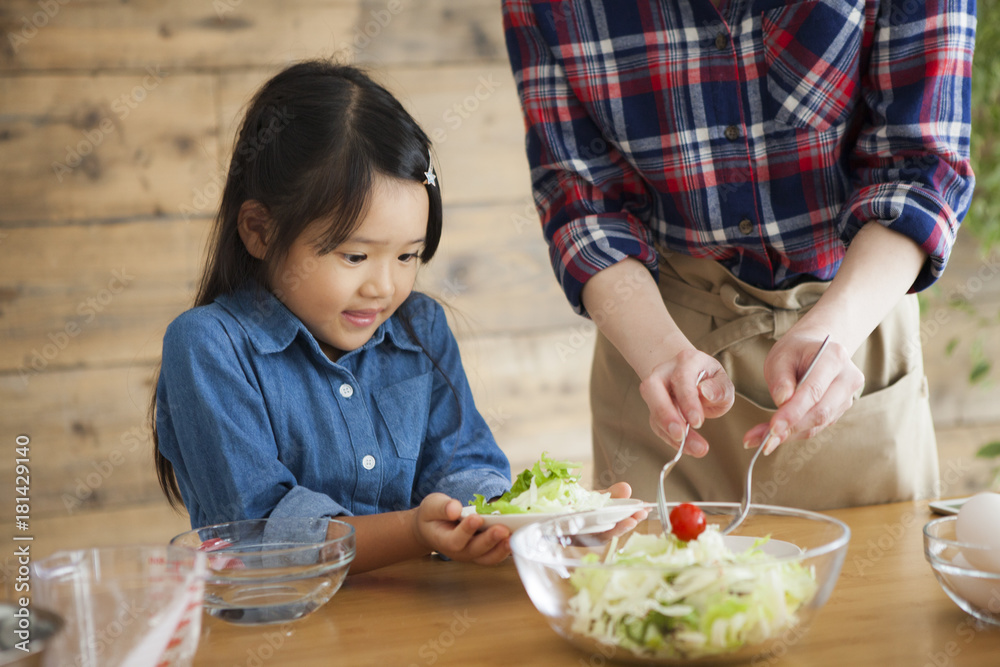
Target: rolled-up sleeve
x=910, y=167
x=584, y=190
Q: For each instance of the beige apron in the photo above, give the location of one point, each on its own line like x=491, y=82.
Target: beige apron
x=883, y=449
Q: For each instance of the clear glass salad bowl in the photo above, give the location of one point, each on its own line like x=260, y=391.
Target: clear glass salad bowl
x=974, y=588
x=272, y=570
x=627, y=593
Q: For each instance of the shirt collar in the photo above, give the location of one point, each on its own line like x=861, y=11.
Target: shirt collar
x=271, y=327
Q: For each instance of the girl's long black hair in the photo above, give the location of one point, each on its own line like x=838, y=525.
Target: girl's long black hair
x=313, y=140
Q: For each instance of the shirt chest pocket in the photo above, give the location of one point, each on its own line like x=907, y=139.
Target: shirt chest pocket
x=404, y=408
x=812, y=54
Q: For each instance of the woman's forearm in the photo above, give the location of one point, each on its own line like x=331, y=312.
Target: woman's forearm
x=879, y=268
x=625, y=304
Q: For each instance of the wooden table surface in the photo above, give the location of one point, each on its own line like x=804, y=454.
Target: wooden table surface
x=887, y=609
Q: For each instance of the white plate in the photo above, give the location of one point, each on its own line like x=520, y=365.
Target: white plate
x=946, y=507
x=616, y=510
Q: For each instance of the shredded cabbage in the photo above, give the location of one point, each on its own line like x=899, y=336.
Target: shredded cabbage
x=673, y=599
x=546, y=487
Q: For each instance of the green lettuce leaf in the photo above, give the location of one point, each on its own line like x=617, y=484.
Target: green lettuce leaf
x=554, y=483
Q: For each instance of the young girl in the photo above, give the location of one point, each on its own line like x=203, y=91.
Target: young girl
x=310, y=379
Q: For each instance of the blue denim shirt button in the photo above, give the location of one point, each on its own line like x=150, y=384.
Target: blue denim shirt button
x=346, y=390
x=369, y=461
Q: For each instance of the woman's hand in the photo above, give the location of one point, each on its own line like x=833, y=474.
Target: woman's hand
x=821, y=400
x=625, y=303
x=440, y=526
x=674, y=400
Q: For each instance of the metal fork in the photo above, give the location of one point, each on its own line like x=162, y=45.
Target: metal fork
x=745, y=505
x=661, y=500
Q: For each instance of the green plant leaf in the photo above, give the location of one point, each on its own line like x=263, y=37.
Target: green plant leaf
x=979, y=371
x=982, y=220
x=962, y=305
x=990, y=450
x=950, y=347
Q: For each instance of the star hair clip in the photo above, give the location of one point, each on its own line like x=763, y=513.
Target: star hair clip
x=430, y=178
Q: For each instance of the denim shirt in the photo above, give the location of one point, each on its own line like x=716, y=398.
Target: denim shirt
x=257, y=421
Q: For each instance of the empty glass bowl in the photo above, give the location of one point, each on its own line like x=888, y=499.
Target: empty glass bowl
x=134, y=605
x=975, y=590
x=272, y=570
x=693, y=606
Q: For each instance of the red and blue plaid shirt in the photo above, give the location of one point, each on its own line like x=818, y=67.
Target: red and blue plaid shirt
x=762, y=134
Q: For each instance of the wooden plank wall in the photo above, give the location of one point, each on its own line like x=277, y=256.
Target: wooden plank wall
x=115, y=126
x=115, y=123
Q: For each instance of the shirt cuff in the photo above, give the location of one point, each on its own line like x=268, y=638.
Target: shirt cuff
x=465, y=484
x=585, y=246
x=300, y=503
x=911, y=211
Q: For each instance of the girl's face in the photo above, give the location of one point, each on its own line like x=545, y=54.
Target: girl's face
x=344, y=295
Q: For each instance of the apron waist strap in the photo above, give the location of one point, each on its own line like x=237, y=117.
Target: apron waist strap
x=740, y=311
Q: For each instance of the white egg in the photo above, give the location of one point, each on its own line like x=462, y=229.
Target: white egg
x=978, y=523
x=983, y=593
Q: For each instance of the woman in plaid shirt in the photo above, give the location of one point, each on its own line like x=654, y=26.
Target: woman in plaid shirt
x=724, y=183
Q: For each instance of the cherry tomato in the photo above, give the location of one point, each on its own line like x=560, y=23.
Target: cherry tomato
x=687, y=521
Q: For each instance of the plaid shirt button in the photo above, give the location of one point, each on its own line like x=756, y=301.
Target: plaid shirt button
x=746, y=226
x=721, y=42
x=732, y=133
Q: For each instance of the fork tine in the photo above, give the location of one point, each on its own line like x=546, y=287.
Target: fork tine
x=745, y=503
x=661, y=501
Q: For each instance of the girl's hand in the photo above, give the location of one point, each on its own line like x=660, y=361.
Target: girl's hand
x=623, y=490
x=619, y=490
x=440, y=527
x=820, y=401
x=674, y=401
